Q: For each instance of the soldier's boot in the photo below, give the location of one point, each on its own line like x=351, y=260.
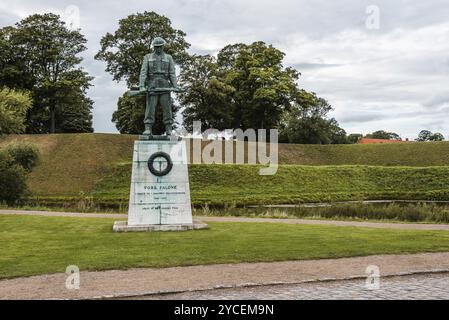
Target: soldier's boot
x=148, y=130
x=168, y=129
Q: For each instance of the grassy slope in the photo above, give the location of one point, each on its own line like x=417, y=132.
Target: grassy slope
x=391, y=154
x=241, y=184
x=35, y=245
x=74, y=164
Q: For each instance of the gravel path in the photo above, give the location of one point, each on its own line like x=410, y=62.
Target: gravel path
x=63, y=214
x=383, y=225
x=145, y=281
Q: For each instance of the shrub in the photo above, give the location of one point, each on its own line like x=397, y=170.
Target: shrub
x=15, y=162
x=25, y=155
x=12, y=180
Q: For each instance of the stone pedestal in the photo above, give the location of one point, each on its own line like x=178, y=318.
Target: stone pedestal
x=160, y=193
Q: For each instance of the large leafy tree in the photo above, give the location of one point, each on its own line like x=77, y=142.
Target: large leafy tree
x=264, y=88
x=42, y=55
x=247, y=86
x=307, y=122
x=207, y=97
x=426, y=135
x=123, y=52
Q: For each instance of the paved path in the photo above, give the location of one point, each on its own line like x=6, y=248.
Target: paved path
x=422, y=287
x=146, y=281
x=383, y=225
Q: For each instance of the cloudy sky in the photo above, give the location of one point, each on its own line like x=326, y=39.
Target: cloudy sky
x=382, y=64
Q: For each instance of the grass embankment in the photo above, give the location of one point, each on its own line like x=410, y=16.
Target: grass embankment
x=90, y=169
x=236, y=185
x=36, y=245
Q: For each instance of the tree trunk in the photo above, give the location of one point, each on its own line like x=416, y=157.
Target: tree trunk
x=52, y=119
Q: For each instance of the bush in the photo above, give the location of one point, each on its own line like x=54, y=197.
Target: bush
x=12, y=180
x=25, y=155
x=15, y=162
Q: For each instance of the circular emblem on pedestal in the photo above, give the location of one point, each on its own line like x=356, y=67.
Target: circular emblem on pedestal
x=160, y=164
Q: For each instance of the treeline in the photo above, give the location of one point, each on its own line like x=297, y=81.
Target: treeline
x=423, y=136
x=43, y=88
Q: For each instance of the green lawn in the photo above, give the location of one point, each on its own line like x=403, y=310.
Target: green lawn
x=31, y=245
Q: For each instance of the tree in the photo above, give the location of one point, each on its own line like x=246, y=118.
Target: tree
x=426, y=135
x=12, y=65
x=124, y=50
x=42, y=57
x=437, y=137
x=123, y=53
x=245, y=87
x=381, y=134
x=264, y=89
x=307, y=122
x=76, y=116
x=13, y=109
x=207, y=97
x=354, y=137
x=128, y=117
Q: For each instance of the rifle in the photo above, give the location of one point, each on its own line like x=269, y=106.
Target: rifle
x=135, y=91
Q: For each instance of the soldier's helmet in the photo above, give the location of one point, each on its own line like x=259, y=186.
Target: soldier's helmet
x=158, y=42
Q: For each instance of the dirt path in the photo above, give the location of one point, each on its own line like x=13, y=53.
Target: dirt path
x=383, y=225
x=62, y=214
x=137, y=282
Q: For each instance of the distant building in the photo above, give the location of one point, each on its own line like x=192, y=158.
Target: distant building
x=377, y=141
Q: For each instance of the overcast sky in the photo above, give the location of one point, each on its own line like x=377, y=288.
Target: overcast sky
x=390, y=73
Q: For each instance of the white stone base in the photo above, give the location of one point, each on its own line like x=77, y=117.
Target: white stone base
x=122, y=226
x=159, y=200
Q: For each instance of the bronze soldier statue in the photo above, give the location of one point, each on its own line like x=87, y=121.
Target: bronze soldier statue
x=157, y=80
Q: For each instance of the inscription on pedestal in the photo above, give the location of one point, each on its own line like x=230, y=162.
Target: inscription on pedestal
x=159, y=193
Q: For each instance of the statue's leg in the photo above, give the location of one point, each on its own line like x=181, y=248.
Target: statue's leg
x=150, y=112
x=167, y=112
